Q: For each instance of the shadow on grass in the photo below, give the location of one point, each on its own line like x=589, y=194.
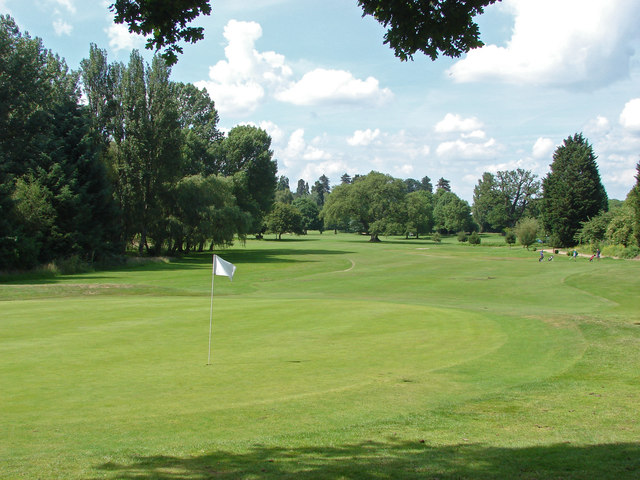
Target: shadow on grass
x=392, y=460
x=192, y=261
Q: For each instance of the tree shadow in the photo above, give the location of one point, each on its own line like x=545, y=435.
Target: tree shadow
x=391, y=460
x=191, y=261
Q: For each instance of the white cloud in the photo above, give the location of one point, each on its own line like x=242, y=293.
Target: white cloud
x=543, y=147
x=467, y=150
x=455, y=123
x=67, y=4
x=248, y=77
x=62, y=28
x=479, y=134
x=333, y=86
x=630, y=116
x=583, y=42
x=121, y=39
x=237, y=84
x=363, y=137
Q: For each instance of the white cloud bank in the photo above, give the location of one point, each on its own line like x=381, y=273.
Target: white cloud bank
x=564, y=43
x=247, y=77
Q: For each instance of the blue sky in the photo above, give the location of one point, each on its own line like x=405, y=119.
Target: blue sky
x=317, y=77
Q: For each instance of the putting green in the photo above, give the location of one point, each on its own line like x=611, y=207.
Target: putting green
x=130, y=368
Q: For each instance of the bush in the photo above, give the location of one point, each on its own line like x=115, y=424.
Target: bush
x=621, y=251
x=474, y=239
x=462, y=236
x=510, y=237
x=436, y=237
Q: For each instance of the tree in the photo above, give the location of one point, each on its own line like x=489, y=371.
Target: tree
x=436, y=27
x=310, y=214
x=485, y=200
x=345, y=178
x=594, y=230
x=426, y=184
x=375, y=201
x=164, y=21
x=572, y=190
x=284, y=219
x=302, y=189
x=527, y=231
x=54, y=193
x=500, y=201
x=204, y=209
x=633, y=198
x=451, y=213
x=419, y=212
x=249, y=159
x=443, y=185
x=321, y=189
x=198, y=119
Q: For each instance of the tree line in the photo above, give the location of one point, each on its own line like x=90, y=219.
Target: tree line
x=114, y=155
x=568, y=206
x=117, y=156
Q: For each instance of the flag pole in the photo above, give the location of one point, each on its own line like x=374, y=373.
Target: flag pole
x=213, y=275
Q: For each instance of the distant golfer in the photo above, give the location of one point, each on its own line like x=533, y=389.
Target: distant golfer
x=598, y=254
x=575, y=254
x=541, y=256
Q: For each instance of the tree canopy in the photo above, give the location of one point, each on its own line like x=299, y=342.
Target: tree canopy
x=432, y=27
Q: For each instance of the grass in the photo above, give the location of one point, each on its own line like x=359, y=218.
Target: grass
x=332, y=358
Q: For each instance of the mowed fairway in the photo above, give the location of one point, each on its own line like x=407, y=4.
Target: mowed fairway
x=331, y=358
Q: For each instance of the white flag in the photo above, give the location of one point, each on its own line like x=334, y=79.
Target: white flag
x=224, y=268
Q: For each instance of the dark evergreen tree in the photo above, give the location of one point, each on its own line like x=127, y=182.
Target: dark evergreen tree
x=443, y=185
x=321, y=189
x=426, y=184
x=303, y=188
x=345, y=179
x=572, y=192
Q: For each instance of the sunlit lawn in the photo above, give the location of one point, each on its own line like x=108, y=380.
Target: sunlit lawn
x=331, y=358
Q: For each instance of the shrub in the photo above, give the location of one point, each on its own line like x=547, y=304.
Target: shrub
x=436, y=237
x=474, y=239
x=462, y=236
x=510, y=237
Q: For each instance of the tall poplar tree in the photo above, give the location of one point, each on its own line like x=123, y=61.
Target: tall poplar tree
x=572, y=191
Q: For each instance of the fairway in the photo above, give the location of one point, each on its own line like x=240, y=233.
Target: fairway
x=331, y=358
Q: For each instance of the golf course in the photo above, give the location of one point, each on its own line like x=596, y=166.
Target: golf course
x=331, y=358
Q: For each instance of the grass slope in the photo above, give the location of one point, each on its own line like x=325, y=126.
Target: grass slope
x=332, y=358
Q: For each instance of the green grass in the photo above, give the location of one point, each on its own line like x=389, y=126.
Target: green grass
x=332, y=358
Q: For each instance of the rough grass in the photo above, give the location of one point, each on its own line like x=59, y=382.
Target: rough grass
x=332, y=358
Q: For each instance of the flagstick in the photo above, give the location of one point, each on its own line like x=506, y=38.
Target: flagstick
x=213, y=275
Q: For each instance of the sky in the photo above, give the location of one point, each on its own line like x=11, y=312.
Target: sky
x=318, y=78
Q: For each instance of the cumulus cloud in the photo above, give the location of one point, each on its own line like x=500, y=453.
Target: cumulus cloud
x=237, y=84
x=248, y=77
x=630, y=116
x=452, y=123
x=62, y=28
x=543, y=147
x=584, y=42
x=363, y=137
x=121, y=39
x=334, y=86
